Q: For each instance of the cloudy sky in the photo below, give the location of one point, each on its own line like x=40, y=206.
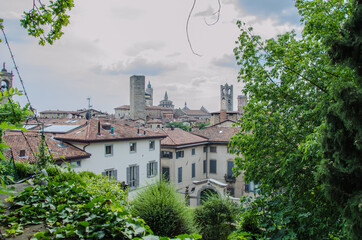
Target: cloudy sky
x=108, y=41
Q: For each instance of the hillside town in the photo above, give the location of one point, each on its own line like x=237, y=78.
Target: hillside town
x=134, y=145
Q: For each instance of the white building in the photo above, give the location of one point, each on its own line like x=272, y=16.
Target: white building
x=125, y=153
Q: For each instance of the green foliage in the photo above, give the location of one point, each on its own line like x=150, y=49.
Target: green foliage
x=44, y=157
x=340, y=173
x=75, y=210
x=202, y=125
x=53, y=16
x=7, y=172
x=215, y=218
x=16, y=113
x=181, y=125
x=24, y=169
x=291, y=82
x=163, y=209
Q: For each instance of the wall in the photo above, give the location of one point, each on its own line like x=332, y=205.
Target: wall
x=121, y=159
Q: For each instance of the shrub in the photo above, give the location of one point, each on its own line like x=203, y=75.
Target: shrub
x=163, y=209
x=7, y=172
x=216, y=217
x=53, y=170
x=24, y=169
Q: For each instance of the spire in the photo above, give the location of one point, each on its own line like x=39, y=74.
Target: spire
x=185, y=108
x=4, y=69
x=166, y=97
x=149, y=84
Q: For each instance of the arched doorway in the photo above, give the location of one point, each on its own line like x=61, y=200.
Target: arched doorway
x=206, y=193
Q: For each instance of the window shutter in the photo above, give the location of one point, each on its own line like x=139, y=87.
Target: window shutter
x=114, y=174
x=148, y=170
x=128, y=175
x=155, y=168
x=137, y=176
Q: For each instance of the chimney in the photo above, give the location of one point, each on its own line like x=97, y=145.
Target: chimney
x=172, y=127
x=112, y=130
x=99, y=128
x=222, y=115
x=22, y=153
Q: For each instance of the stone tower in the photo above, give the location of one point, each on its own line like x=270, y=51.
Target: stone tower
x=149, y=95
x=242, y=101
x=137, y=97
x=6, y=79
x=226, y=97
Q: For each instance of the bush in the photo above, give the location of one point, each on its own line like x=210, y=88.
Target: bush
x=24, y=169
x=163, y=209
x=216, y=217
x=53, y=170
x=7, y=172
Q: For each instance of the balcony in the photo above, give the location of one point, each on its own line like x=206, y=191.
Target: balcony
x=229, y=179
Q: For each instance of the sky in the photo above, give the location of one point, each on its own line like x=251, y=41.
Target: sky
x=108, y=41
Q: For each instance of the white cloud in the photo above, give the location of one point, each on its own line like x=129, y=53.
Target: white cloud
x=107, y=42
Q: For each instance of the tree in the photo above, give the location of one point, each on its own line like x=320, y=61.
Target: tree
x=163, y=209
x=215, y=217
x=181, y=125
x=46, y=21
x=341, y=170
x=290, y=83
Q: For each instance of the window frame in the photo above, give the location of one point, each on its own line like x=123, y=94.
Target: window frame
x=133, y=145
x=193, y=151
x=211, y=166
x=152, y=169
x=180, y=154
x=151, y=145
x=179, y=175
x=193, y=170
x=105, y=150
x=211, y=149
x=133, y=176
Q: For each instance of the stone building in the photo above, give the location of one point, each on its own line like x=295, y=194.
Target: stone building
x=242, y=101
x=226, y=97
x=149, y=95
x=166, y=102
x=137, y=97
x=6, y=79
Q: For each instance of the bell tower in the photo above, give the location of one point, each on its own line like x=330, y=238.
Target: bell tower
x=226, y=97
x=6, y=79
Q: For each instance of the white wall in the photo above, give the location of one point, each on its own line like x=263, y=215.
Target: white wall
x=121, y=159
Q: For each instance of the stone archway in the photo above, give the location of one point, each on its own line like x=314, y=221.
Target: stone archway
x=204, y=193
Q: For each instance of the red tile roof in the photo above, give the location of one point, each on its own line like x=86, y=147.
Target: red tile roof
x=16, y=141
x=179, y=137
x=89, y=133
x=217, y=134
x=127, y=107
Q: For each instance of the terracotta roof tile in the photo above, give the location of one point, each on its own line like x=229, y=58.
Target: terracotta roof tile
x=178, y=137
x=89, y=133
x=16, y=141
x=217, y=134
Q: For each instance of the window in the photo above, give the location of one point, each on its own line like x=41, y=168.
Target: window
x=166, y=173
x=251, y=187
x=193, y=151
x=193, y=170
x=152, y=145
x=230, y=168
x=213, y=149
x=205, y=149
x=179, y=154
x=133, y=176
x=212, y=166
x=179, y=174
x=75, y=164
x=152, y=169
x=109, y=150
x=132, y=147
x=231, y=191
x=204, y=166
x=165, y=154
x=110, y=173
